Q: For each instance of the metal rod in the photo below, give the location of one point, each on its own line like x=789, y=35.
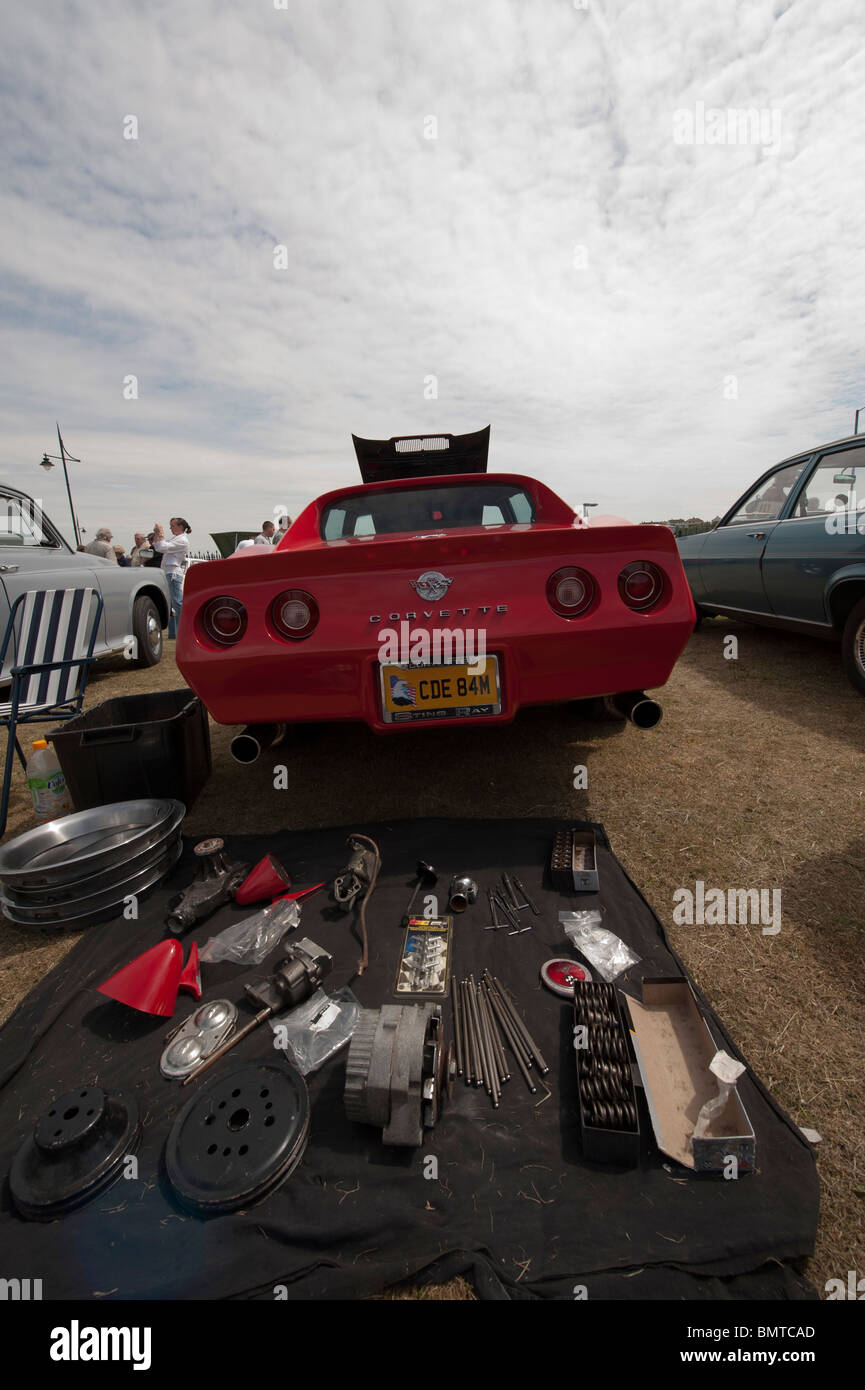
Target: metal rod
x=506, y=908
x=516, y=1041
x=529, y=901
x=495, y=1037
x=533, y=1047
x=473, y=1074
x=458, y=1041
x=484, y=1060
x=226, y=1047
x=496, y=1089
x=515, y=1049
x=511, y=891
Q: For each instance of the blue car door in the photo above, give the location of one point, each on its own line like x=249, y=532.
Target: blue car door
x=731, y=559
x=818, y=537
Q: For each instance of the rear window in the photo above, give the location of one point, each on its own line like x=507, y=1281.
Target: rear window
x=426, y=509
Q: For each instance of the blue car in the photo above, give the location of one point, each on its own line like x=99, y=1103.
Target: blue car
x=791, y=552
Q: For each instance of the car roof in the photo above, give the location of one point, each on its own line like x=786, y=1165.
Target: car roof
x=820, y=448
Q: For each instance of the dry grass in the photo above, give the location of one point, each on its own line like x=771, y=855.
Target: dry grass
x=754, y=779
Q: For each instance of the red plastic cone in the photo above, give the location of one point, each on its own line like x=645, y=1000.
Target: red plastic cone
x=190, y=980
x=149, y=983
x=266, y=880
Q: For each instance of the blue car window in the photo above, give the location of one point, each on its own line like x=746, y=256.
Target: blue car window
x=836, y=485
x=767, y=501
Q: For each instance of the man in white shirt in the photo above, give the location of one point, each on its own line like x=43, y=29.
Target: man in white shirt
x=175, y=558
x=265, y=535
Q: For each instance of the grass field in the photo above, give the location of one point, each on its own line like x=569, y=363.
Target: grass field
x=755, y=778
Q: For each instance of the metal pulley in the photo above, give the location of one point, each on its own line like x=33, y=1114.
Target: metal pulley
x=398, y=1071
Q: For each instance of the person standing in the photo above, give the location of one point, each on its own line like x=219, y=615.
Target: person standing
x=265, y=535
x=175, y=560
x=101, y=544
x=140, y=544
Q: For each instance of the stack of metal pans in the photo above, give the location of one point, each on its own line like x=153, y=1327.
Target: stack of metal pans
x=80, y=869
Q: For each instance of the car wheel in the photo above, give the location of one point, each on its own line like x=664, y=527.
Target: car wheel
x=853, y=646
x=147, y=630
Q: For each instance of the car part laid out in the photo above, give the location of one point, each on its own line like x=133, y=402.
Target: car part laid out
x=80, y=912
x=486, y=1020
x=77, y=1150
x=150, y=983
x=86, y=843
x=197, y=1037
x=462, y=893
x=267, y=880
x=359, y=877
x=574, y=862
x=690, y=1084
x=609, y=1123
x=238, y=1138
x=427, y=877
x=294, y=979
x=494, y=923
x=215, y=884
x=398, y=1071
x=560, y=975
x=424, y=967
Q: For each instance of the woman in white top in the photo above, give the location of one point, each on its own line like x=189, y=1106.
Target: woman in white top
x=175, y=558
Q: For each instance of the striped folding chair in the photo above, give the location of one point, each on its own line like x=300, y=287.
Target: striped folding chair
x=50, y=637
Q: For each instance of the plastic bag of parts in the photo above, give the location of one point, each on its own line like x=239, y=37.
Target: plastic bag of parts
x=601, y=948
x=313, y=1031
x=249, y=941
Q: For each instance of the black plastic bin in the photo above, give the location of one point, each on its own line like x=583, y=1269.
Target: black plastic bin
x=136, y=746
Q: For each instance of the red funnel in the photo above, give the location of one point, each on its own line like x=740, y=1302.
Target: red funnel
x=149, y=983
x=299, y=894
x=190, y=980
x=267, y=879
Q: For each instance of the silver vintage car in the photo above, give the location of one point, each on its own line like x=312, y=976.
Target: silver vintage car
x=34, y=555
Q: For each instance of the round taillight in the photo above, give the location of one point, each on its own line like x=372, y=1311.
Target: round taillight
x=570, y=592
x=294, y=614
x=224, y=620
x=641, y=585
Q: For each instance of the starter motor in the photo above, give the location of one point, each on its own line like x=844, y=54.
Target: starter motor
x=398, y=1070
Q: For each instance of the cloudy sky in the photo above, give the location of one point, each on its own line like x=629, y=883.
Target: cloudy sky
x=278, y=221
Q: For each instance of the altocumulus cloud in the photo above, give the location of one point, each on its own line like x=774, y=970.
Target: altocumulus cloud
x=485, y=216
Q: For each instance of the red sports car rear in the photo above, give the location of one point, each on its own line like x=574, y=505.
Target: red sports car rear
x=433, y=598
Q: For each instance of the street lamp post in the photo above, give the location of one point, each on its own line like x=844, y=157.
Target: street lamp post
x=47, y=462
x=586, y=506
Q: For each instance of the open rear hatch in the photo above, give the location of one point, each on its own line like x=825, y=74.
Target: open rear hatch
x=421, y=455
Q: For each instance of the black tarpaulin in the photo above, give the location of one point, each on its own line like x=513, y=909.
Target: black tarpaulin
x=513, y=1204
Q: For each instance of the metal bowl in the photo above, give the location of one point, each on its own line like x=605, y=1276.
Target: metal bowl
x=86, y=911
x=68, y=895
x=72, y=848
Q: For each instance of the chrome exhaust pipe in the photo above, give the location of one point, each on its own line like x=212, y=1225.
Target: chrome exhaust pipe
x=247, y=746
x=636, y=706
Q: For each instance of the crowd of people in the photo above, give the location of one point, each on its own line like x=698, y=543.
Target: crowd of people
x=171, y=555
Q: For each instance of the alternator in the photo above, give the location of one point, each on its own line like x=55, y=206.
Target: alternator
x=398, y=1070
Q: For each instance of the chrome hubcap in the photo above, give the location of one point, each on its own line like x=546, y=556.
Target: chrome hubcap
x=154, y=633
x=859, y=647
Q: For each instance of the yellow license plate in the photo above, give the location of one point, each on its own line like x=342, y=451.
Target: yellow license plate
x=409, y=693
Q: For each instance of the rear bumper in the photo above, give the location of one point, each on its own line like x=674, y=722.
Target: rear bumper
x=266, y=681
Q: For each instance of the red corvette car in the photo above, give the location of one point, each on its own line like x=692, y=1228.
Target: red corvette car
x=434, y=593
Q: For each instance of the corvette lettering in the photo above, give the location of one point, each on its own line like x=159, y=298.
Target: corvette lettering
x=442, y=613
